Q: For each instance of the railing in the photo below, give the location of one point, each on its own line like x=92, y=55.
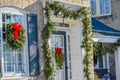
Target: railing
x=75, y=2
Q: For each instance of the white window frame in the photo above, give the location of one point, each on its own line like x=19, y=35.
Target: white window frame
x=12, y=10
x=98, y=14
x=97, y=65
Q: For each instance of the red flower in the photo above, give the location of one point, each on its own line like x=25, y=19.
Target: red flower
x=15, y=33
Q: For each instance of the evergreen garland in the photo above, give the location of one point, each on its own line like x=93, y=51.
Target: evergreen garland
x=46, y=34
x=61, y=11
x=87, y=43
x=100, y=48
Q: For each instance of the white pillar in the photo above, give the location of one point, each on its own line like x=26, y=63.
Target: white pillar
x=117, y=63
x=108, y=65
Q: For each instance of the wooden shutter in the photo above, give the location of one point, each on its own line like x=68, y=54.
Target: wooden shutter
x=34, y=66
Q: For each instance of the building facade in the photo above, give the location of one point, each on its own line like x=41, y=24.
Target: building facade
x=107, y=12
x=28, y=63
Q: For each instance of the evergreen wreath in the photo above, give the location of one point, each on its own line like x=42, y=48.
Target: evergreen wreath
x=15, y=36
x=59, y=57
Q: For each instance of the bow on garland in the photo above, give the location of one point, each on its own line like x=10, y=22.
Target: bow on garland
x=59, y=57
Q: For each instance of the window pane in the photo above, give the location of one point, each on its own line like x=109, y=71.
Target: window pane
x=93, y=6
x=8, y=18
x=8, y=66
x=104, y=6
x=3, y=17
x=100, y=61
x=19, y=57
x=17, y=18
x=3, y=27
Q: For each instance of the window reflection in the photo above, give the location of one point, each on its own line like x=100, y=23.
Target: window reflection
x=8, y=19
x=17, y=18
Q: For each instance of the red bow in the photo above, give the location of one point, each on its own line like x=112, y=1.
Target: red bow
x=17, y=27
x=58, y=52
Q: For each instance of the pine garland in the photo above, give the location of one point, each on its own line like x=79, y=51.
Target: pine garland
x=100, y=48
x=87, y=43
x=61, y=11
x=46, y=34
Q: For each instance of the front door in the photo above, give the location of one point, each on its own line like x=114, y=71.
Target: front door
x=58, y=39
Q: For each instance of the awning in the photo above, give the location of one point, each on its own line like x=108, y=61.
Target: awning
x=101, y=28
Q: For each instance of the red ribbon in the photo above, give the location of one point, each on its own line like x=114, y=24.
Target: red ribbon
x=58, y=52
x=17, y=27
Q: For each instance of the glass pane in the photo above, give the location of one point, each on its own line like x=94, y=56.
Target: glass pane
x=4, y=37
x=5, y=68
x=61, y=41
x=3, y=17
x=7, y=48
x=104, y=6
x=8, y=66
x=17, y=18
x=20, y=67
x=19, y=57
x=93, y=5
x=3, y=27
x=7, y=57
x=8, y=19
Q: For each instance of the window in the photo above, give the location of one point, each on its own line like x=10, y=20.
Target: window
x=100, y=7
x=93, y=5
x=13, y=62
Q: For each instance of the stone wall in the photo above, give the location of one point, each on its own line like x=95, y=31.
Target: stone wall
x=112, y=20
x=30, y=6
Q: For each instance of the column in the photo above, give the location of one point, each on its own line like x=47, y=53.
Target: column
x=117, y=63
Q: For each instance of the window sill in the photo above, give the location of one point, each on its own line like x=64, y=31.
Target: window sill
x=101, y=15
x=16, y=78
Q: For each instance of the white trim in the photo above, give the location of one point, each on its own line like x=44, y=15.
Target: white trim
x=105, y=40
x=98, y=14
x=12, y=78
x=2, y=55
x=108, y=66
x=103, y=61
x=26, y=58
x=11, y=10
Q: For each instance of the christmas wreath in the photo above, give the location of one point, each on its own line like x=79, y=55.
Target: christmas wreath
x=15, y=35
x=59, y=57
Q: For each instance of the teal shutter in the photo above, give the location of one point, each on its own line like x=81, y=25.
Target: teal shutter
x=34, y=67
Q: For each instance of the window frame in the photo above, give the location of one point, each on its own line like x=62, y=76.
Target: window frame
x=98, y=11
x=16, y=11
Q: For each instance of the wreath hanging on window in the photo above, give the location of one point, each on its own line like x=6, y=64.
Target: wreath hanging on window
x=15, y=35
x=59, y=57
